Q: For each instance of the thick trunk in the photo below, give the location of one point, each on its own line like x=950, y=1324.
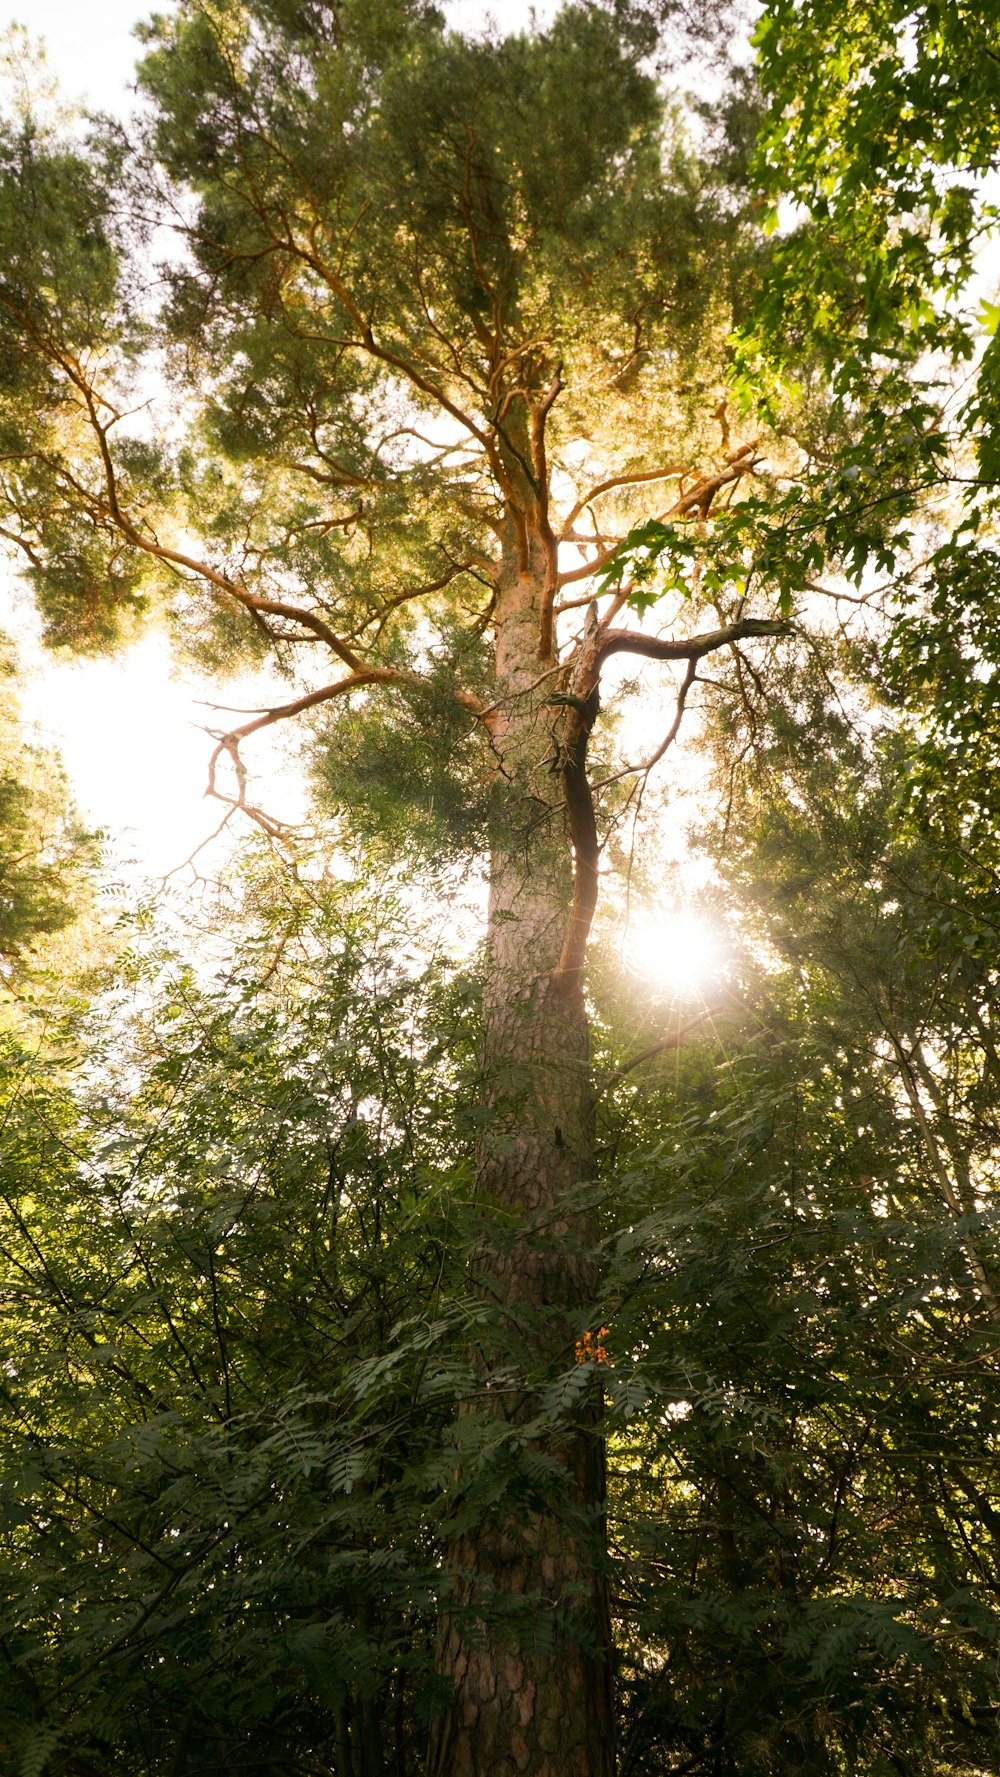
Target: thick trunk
x=526, y=1647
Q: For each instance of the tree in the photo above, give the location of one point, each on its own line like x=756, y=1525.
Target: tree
x=802, y=1287
x=883, y=135
x=232, y=1220
x=863, y=854
x=46, y=856
x=448, y=322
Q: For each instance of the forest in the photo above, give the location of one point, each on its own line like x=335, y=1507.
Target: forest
x=448, y=1331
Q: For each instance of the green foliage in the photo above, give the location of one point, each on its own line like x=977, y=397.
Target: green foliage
x=801, y=1296
x=46, y=857
x=876, y=140
x=944, y=663
x=232, y=1350
x=882, y=127
x=60, y=296
x=412, y=774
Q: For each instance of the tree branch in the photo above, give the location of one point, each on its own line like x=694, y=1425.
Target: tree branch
x=631, y=641
x=613, y=481
x=671, y=1042
x=568, y=972
x=645, y=766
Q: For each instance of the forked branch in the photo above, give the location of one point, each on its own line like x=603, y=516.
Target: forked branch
x=582, y=706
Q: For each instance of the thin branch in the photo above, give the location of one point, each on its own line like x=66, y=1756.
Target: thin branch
x=191, y=564
x=645, y=766
x=380, y=617
x=671, y=1042
x=601, y=560
x=509, y=697
x=613, y=481
x=697, y=500
x=376, y=675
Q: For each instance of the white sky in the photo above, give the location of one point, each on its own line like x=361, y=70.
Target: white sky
x=88, y=47
x=91, y=50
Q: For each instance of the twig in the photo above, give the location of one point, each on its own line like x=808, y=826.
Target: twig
x=671, y=1042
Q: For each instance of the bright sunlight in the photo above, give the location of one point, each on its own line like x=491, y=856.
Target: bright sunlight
x=679, y=950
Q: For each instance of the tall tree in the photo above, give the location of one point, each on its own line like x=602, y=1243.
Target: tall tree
x=445, y=324
x=802, y=1297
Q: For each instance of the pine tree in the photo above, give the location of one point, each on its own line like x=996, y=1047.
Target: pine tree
x=445, y=324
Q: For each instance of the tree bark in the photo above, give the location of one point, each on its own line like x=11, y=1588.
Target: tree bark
x=525, y=1647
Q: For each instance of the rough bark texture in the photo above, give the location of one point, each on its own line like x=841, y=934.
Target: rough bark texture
x=532, y=1686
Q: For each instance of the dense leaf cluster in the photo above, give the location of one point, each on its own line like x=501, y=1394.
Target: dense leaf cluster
x=236, y=1250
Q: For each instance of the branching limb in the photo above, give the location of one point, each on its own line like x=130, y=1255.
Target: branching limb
x=581, y=713
x=645, y=766
x=568, y=973
x=380, y=617
x=631, y=641
x=539, y=416
x=695, y=501
x=699, y=498
x=582, y=704
x=228, y=744
x=667, y=473
x=572, y=575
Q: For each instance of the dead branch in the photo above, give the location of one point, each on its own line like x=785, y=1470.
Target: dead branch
x=631, y=641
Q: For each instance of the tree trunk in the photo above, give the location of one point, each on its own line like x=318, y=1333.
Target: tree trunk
x=526, y=1647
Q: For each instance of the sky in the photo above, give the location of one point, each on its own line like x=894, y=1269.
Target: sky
x=92, y=51
x=89, y=48
x=131, y=732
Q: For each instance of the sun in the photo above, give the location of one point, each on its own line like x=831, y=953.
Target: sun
x=678, y=949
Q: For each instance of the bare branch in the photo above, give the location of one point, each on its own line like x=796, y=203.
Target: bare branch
x=539, y=415
x=613, y=481
x=587, y=568
x=311, y=700
x=631, y=641
x=697, y=501
x=380, y=617
x=489, y=709
x=645, y=766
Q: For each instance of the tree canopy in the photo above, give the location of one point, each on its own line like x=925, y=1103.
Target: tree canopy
x=427, y=1349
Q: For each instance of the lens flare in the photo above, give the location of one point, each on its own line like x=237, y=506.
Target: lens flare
x=676, y=949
